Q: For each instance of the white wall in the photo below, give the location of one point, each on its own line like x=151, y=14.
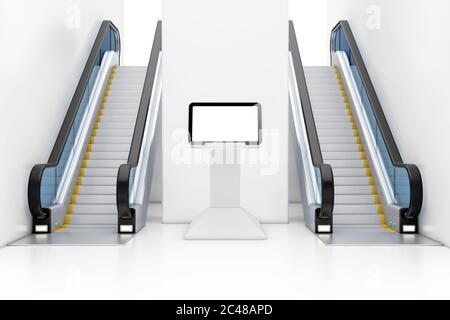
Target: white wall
x=406, y=47
x=140, y=18
x=225, y=50
x=45, y=45
x=311, y=25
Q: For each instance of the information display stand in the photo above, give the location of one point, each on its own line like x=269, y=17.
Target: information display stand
x=225, y=219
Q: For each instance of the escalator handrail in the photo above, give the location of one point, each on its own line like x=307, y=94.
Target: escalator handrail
x=123, y=176
x=326, y=171
x=415, y=179
x=35, y=178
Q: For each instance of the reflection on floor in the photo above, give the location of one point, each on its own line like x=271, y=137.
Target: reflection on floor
x=159, y=264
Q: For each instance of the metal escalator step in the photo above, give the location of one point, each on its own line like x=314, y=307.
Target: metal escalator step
x=97, y=155
x=321, y=82
x=347, y=163
x=95, y=199
x=120, y=99
x=114, y=133
x=120, y=112
x=104, y=163
x=336, y=94
x=341, y=155
x=128, y=82
x=349, y=147
x=333, y=105
x=335, y=112
x=354, y=199
x=97, y=190
x=116, y=125
x=350, y=172
x=99, y=180
x=338, y=140
x=100, y=173
x=325, y=125
x=107, y=118
x=124, y=87
x=355, y=209
x=329, y=75
x=121, y=105
x=343, y=118
x=324, y=100
x=94, y=209
x=335, y=132
x=318, y=69
x=361, y=180
x=125, y=93
x=110, y=147
x=353, y=190
x=325, y=91
x=369, y=219
x=112, y=140
x=89, y=219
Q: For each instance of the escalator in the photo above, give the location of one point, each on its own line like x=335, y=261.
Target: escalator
x=356, y=189
x=93, y=201
x=357, y=201
x=95, y=186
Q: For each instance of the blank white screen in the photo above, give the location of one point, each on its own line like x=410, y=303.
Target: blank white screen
x=225, y=124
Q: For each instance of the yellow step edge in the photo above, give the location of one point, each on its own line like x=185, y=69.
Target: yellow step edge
x=366, y=164
x=376, y=196
x=363, y=155
x=374, y=190
x=380, y=209
x=76, y=190
x=376, y=199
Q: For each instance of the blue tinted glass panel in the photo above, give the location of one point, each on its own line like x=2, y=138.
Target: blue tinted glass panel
x=52, y=177
x=397, y=177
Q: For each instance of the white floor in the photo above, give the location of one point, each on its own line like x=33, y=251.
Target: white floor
x=159, y=264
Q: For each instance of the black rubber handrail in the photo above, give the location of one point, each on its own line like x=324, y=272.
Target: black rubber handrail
x=34, y=182
x=326, y=171
x=415, y=178
x=127, y=214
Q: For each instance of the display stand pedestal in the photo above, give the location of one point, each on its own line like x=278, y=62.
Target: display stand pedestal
x=225, y=219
